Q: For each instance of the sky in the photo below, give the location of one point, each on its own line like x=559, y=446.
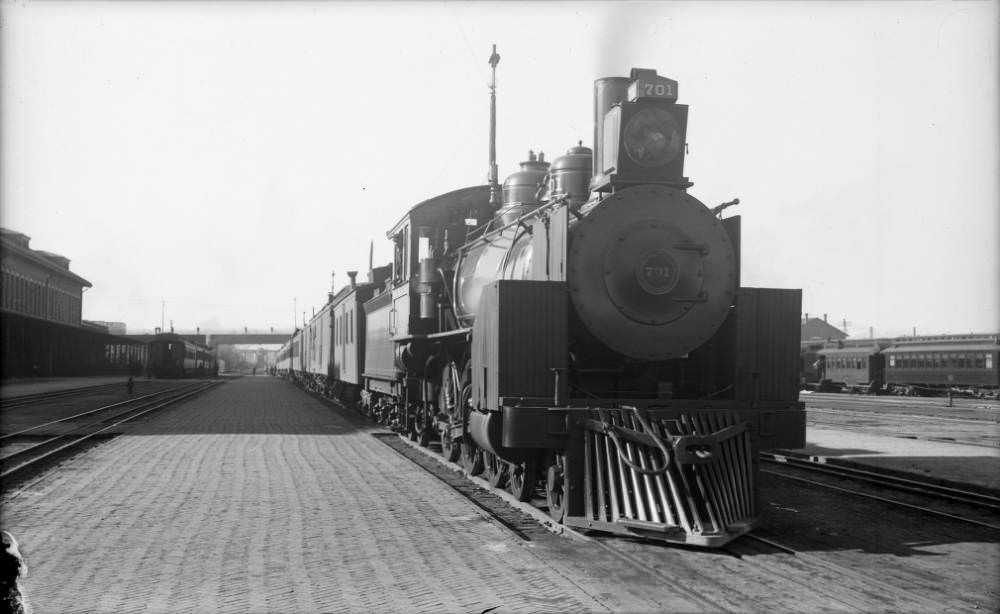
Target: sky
x=215, y=163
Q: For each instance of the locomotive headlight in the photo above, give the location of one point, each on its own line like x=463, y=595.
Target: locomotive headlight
x=652, y=137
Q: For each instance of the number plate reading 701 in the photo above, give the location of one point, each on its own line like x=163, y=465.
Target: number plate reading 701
x=656, y=87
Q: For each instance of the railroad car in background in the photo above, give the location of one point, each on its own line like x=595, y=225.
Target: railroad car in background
x=853, y=366
x=327, y=354
x=934, y=365
x=287, y=362
x=170, y=355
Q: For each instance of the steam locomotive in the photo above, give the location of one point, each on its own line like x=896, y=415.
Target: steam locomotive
x=580, y=329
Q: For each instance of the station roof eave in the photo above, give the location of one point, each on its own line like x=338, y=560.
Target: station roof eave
x=39, y=258
x=470, y=195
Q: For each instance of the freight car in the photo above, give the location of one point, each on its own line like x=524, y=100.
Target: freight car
x=170, y=355
x=580, y=329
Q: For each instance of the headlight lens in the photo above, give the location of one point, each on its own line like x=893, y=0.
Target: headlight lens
x=652, y=138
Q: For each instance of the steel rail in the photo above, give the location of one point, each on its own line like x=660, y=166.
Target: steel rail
x=923, y=487
x=924, y=418
x=28, y=399
x=121, y=418
x=888, y=400
x=90, y=411
x=902, y=484
x=870, y=429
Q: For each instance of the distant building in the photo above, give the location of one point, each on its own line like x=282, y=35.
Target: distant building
x=115, y=328
x=251, y=355
x=41, y=330
x=818, y=329
x=39, y=284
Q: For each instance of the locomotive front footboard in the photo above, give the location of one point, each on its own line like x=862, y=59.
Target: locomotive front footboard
x=684, y=473
x=686, y=477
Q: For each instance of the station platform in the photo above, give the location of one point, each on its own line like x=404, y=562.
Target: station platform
x=257, y=497
x=36, y=385
x=942, y=462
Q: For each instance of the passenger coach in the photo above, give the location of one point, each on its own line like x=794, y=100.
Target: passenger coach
x=929, y=365
x=854, y=366
x=170, y=355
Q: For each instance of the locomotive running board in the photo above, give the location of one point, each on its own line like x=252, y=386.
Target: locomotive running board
x=702, y=493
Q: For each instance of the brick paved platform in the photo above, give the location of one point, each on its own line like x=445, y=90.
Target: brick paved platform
x=256, y=497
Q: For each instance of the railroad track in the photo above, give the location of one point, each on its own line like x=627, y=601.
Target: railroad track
x=958, y=402
x=32, y=399
x=709, y=580
x=27, y=449
x=527, y=520
x=984, y=506
x=915, y=418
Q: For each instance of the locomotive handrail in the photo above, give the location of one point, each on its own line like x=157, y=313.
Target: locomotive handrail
x=486, y=236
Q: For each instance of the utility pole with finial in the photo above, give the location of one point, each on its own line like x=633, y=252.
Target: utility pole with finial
x=493, y=175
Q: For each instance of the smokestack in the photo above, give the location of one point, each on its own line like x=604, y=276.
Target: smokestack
x=824, y=317
x=353, y=275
